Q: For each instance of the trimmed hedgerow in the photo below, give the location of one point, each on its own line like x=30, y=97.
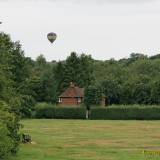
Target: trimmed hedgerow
x=133, y=112
x=70, y=113
x=44, y=110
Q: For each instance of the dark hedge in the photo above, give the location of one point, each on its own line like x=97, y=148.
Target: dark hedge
x=58, y=112
x=126, y=113
x=70, y=113
x=132, y=112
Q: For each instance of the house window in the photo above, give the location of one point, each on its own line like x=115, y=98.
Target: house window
x=60, y=100
x=79, y=100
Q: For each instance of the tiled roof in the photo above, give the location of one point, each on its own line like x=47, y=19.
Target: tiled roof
x=73, y=91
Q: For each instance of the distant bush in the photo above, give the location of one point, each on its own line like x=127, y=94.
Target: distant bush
x=27, y=104
x=70, y=112
x=44, y=110
x=121, y=112
x=133, y=112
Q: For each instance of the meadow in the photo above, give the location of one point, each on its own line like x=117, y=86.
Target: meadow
x=88, y=140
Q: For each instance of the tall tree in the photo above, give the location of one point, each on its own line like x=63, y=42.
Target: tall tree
x=12, y=75
x=59, y=75
x=77, y=69
x=72, y=70
x=86, y=71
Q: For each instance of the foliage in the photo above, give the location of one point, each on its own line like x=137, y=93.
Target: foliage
x=44, y=110
x=111, y=89
x=5, y=142
x=93, y=96
x=77, y=69
x=10, y=123
x=14, y=70
x=70, y=113
x=134, y=112
x=155, y=92
x=121, y=112
x=72, y=70
x=27, y=106
x=133, y=80
x=59, y=77
x=129, y=81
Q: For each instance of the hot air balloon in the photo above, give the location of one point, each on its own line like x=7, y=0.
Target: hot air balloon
x=51, y=37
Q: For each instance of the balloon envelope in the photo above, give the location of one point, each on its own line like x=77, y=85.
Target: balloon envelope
x=51, y=37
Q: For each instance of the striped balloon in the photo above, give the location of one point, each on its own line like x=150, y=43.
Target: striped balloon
x=51, y=37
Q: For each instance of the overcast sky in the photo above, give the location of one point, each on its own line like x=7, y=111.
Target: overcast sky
x=103, y=28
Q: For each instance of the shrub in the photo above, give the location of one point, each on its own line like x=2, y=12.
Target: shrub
x=9, y=127
x=134, y=112
x=44, y=110
x=70, y=113
x=27, y=104
x=11, y=122
x=5, y=142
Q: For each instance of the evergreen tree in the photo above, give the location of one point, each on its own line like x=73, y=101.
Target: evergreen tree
x=86, y=71
x=76, y=69
x=59, y=73
x=72, y=70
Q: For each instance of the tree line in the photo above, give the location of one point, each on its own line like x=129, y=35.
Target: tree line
x=134, y=80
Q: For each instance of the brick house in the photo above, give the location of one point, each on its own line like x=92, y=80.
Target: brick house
x=73, y=95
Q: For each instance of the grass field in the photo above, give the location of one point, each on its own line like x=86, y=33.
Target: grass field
x=89, y=140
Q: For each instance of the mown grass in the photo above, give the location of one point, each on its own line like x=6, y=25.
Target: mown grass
x=89, y=140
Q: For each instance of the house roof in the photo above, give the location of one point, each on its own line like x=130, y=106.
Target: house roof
x=72, y=91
